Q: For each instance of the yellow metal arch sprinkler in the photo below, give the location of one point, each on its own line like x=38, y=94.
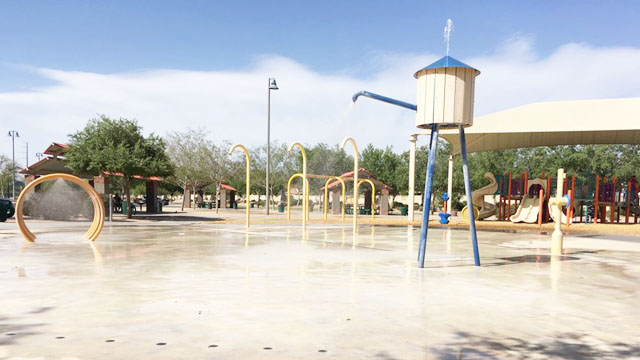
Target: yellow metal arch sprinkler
x=248, y=184
x=373, y=195
x=98, y=206
x=326, y=194
x=305, y=186
x=355, y=179
x=293, y=177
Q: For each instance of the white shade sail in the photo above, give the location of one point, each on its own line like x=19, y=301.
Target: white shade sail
x=582, y=122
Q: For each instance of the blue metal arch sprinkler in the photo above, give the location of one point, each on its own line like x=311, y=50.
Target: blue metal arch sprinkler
x=438, y=106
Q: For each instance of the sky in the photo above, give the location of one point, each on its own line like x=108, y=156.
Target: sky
x=174, y=65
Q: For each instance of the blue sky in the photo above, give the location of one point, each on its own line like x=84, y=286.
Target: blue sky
x=328, y=36
x=54, y=54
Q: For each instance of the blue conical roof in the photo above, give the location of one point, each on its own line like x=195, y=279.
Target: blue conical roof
x=446, y=62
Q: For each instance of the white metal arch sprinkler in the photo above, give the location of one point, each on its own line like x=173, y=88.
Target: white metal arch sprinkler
x=445, y=100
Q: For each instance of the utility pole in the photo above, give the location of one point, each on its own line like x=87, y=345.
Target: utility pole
x=27, y=153
x=271, y=86
x=14, y=134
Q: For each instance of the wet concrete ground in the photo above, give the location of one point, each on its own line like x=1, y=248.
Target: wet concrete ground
x=216, y=291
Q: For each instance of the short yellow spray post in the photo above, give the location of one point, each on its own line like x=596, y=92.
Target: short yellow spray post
x=305, y=186
x=248, y=185
x=326, y=195
x=373, y=195
x=355, y=180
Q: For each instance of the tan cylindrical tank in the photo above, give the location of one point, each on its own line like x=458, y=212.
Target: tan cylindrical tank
x=445, y=94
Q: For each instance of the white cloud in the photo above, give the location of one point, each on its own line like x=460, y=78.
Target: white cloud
x=309, y=107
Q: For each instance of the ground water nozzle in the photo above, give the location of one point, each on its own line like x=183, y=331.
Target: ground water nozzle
x=444, y=216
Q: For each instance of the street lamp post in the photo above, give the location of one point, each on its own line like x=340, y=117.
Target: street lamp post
x=14, y=134
x=272, y=86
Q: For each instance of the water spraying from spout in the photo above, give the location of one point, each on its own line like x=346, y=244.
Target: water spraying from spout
x=447, y=33
x=348, y=112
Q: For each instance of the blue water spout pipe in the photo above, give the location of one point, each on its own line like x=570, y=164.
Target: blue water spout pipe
x=383, y=98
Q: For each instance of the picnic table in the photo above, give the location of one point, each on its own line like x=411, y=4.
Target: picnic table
x=348, y=209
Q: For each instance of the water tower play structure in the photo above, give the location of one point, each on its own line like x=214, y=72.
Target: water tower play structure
x=445, y=99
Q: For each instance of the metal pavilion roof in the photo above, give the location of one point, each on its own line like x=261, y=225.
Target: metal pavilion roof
x=446, y=62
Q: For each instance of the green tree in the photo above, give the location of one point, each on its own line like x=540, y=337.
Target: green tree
x=6, y=176
x=283, y=165
x=388, y=167
x=118, y=146
x=197, y=160
x=327, y=160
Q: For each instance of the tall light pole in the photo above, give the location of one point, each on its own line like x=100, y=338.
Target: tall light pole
x=27, y=154
x=14, y=134
x=272, y=86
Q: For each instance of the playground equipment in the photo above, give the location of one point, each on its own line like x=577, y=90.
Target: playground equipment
x=558, y=202
x=482, y=209
x=620, y=198
x=445, y=100
x=248, y=179
x=464, y=213
x=326, y=195
x=510, y=190
x=373, y=196
x=613, y=198
x=523, y=195
x=98, y=206
x=305, y=184
x=355, y=179
x=598, y=199
x=631, y=201
x=564, y=218
x=444, y=216
x=529, y=209
x=6, y=210
x=604, y=196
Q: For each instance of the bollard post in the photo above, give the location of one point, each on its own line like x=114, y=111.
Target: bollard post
x=569, y=210
x=110, y=208
x=540, y=207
